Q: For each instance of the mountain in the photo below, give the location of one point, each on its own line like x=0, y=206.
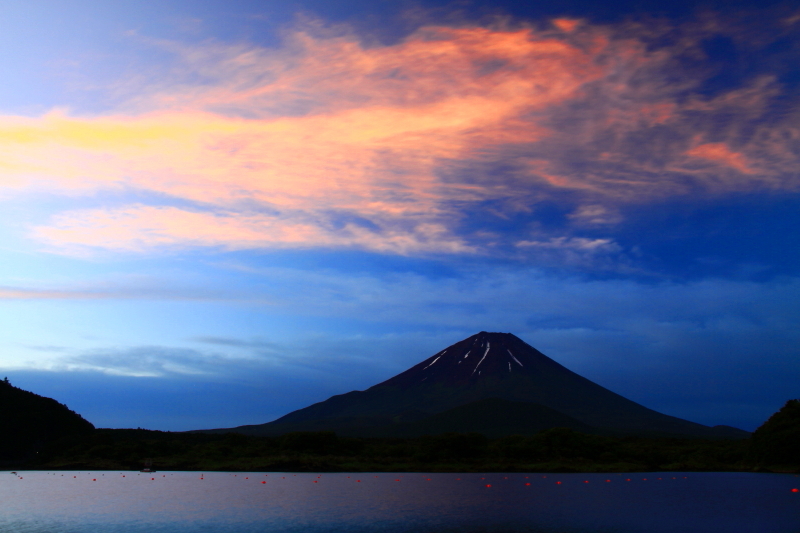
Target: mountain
x=29, y=421
x=446, y=387
x=777, y=441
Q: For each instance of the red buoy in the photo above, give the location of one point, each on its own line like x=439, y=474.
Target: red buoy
x=795, y=490
x=263, y=482
x=488, y=486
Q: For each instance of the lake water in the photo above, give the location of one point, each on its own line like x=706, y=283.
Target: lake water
x=189, y=502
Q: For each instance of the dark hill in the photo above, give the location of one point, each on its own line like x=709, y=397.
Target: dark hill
x=29, y=421
x=486, y=365
x=777, y=441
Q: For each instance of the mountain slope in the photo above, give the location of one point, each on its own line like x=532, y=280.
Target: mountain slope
x=491, y=417
x=777, y=441
x=486, y=365
x=28, y=421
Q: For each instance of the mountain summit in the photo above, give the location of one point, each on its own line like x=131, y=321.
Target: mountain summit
x=493, y=383
x=485, y=356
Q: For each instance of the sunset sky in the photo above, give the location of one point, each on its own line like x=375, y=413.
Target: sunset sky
x=215, y=212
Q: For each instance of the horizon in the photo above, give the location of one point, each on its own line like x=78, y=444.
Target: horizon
x=416, y=365
x=215, y=214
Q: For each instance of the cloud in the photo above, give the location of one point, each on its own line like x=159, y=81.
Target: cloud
x=148, y=361
x=720, y=153
x=329, y=142
x=8, y=293
x=140, y=228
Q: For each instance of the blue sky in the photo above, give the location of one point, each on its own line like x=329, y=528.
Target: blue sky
x=214, y=213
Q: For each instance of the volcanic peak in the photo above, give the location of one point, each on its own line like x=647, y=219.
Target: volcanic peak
x=478, y=356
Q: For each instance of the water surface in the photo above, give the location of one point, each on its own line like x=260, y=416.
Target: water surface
x=189, y=502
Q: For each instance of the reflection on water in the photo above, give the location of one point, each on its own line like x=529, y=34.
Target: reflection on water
x=188, y=502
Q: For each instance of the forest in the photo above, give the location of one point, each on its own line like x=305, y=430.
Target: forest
x=775, y=447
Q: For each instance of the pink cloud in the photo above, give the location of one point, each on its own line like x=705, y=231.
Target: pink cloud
x=139, y=228
x=720, y=153
x=566, y=25
x=327, y=128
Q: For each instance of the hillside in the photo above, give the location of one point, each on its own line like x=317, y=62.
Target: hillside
x=777, y=441
x=30, y=421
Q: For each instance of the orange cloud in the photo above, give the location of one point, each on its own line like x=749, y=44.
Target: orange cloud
x=329, y=142
x=383, y=121
x=721, y=154
x=566, y=25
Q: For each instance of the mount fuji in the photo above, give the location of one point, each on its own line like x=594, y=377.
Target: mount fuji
x=490, y=383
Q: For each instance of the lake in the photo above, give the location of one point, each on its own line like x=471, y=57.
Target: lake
x=188, y=502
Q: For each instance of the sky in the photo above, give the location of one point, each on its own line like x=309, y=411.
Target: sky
x=213, y=212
